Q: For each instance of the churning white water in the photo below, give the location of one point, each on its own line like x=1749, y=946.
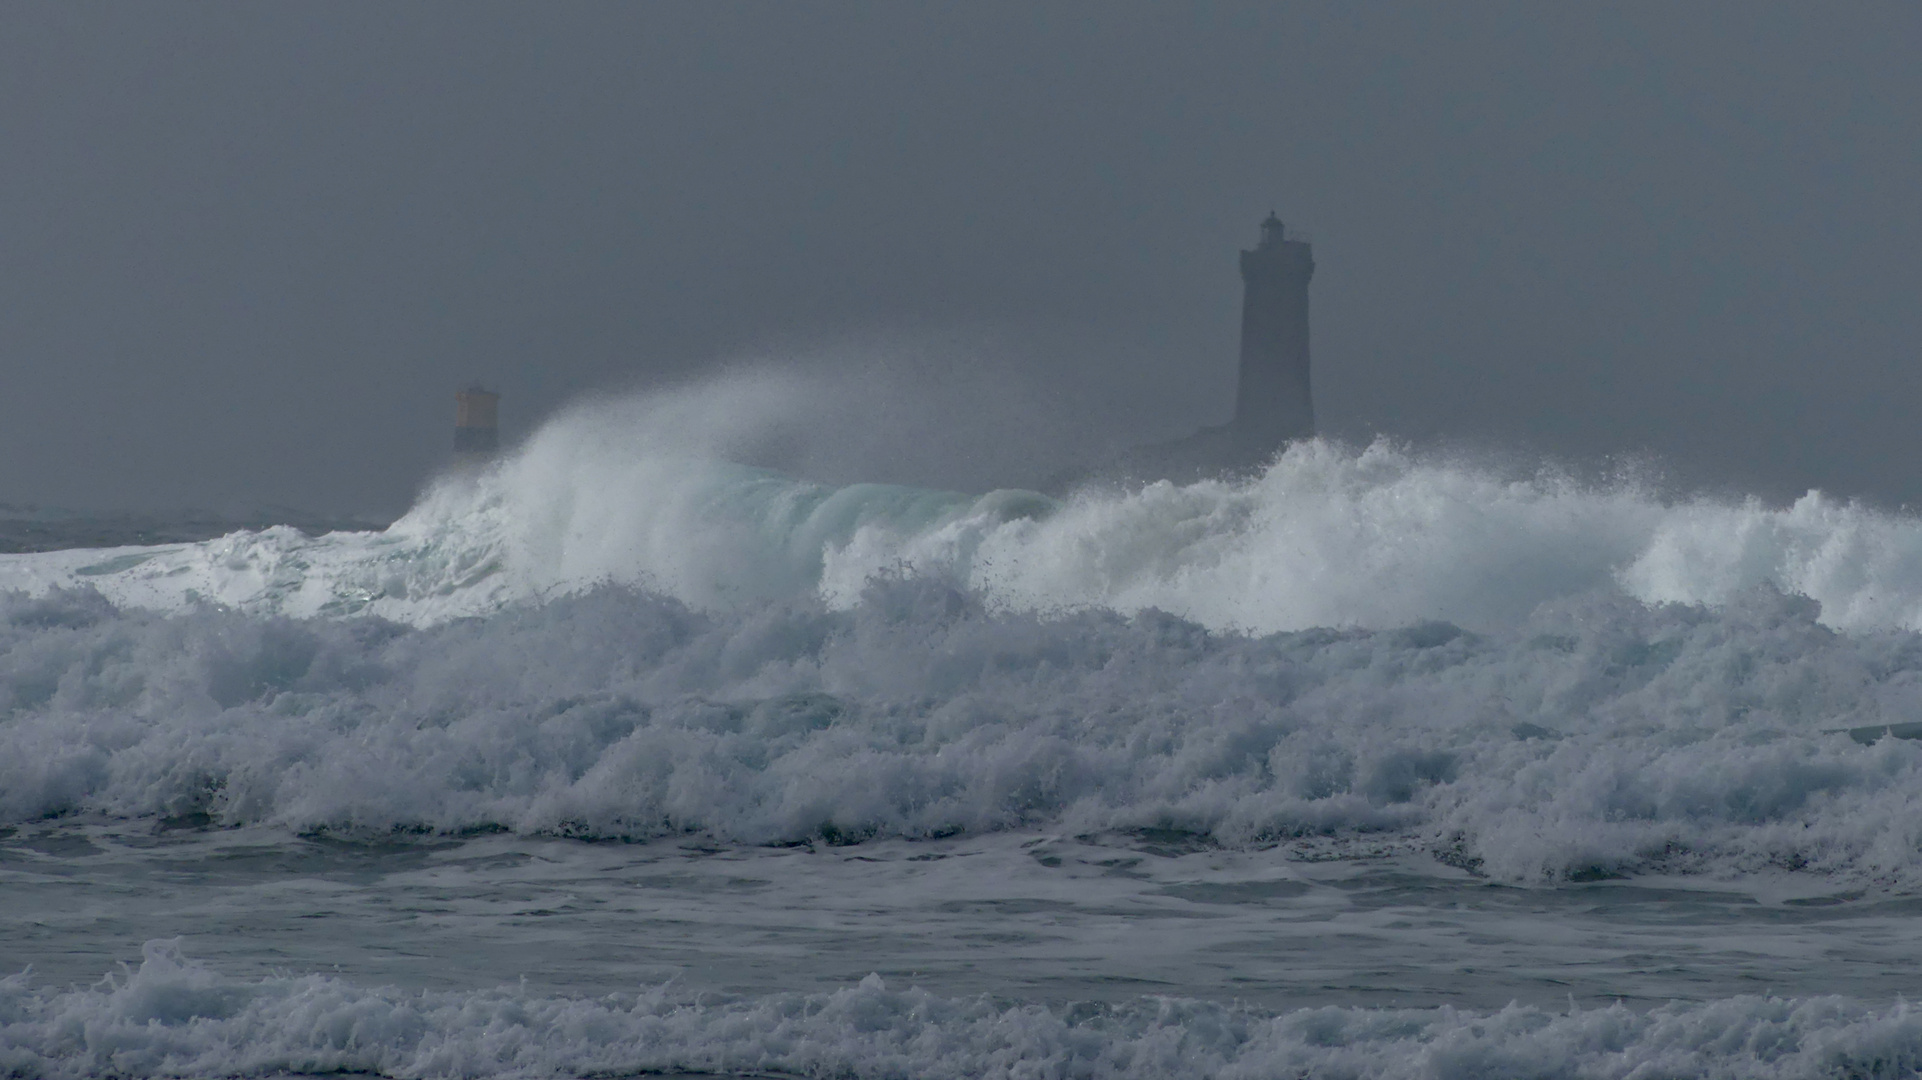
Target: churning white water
x=1338, y=759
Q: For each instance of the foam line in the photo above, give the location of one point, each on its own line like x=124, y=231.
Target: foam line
x=174, y=1017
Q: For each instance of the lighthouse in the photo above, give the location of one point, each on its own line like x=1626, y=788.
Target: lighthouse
x=476, y=423
x=1273, y=403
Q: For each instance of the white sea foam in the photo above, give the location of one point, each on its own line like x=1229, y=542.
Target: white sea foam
x=675, y=643
x=1602, y=736
x=173, y=1017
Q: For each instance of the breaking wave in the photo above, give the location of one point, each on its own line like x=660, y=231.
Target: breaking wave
x=1602, y=736
x=644, y=493
x=1534, y=678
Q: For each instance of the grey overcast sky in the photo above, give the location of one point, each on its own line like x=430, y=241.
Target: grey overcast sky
x=248, y=251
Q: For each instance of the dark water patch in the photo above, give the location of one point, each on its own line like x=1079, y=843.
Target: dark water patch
x=326, y=858
x=1587, y=874
x=26, y=529
x=194, y=821
x=62, y=844
x=1824, y=901
x=1236, y=892
x=697, y=883
x=116, y=564
x=1171, y=843
x=1874, y=733
x=1011, y=906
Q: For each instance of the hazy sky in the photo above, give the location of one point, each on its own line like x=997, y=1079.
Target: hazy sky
x=248, y=251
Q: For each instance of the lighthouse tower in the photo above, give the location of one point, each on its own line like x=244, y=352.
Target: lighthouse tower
x=476, y=423
x=1272, y=400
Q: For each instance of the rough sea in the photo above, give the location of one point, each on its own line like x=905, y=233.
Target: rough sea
x=614, y=758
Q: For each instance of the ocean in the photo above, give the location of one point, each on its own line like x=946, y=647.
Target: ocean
x=614, y=757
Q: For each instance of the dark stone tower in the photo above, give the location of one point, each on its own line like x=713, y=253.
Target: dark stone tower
x=1273, y=404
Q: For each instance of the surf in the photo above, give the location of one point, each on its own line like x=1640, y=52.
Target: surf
x=662, y=493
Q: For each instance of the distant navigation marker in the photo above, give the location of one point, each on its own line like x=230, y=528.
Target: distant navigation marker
x=476, y=422
x=1273, y=401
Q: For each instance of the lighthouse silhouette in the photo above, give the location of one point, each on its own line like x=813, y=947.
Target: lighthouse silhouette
x=1274, y=403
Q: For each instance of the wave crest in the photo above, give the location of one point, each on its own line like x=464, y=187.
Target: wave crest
x=645, y=492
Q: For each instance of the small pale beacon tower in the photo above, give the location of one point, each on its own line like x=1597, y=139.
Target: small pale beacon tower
x=476, y=422
x=1273, y=402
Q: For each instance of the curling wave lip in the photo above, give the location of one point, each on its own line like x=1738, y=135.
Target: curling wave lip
x=1327, y=535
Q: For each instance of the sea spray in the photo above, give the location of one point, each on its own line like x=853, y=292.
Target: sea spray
x=617, y=631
